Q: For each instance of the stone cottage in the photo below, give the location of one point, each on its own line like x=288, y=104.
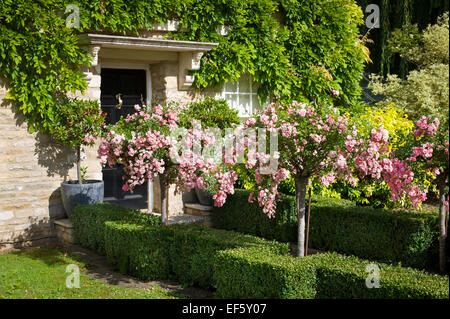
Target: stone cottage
x=125, y=71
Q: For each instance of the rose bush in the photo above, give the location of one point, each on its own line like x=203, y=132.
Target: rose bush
x=148, y=143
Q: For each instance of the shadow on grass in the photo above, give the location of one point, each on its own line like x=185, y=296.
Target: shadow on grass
x=50, y=256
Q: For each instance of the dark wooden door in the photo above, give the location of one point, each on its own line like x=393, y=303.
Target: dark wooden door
x=131, y=85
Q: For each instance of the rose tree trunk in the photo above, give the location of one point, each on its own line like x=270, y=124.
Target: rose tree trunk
x=300, y=196
x=79, y=165
x=443, y=227
x=163, y=192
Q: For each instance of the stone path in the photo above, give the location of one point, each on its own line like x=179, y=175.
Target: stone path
x=98, y=268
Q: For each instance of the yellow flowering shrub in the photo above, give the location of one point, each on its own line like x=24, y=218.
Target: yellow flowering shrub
x=393, y=119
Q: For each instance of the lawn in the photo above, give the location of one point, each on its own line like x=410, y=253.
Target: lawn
x=41, y=273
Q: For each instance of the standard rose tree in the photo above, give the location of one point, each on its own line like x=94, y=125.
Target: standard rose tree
x=199, y=154
x=310, y=143
x=319, y=142
x=427, y=151
x=141, y=143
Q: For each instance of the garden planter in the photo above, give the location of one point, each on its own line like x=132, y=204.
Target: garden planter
x=189, y=197
x=204, y=198
x=73, y=194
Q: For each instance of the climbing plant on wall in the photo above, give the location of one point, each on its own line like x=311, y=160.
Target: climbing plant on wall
x=303, y=50
x=39, y=57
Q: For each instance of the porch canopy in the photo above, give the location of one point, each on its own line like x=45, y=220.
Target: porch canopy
x=148, y=50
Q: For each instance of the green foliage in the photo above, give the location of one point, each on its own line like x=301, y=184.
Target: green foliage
x=311, y=52
x=89, y=222
x=139, y=250
x=410, y=238
x=368, y=192
x=211, y=113
x=323, y=48
x=393, y=119
x=182, y=252
x=75, y=120
x=426, y=89
x=83, y=170
x=246, y=177
x=41, y=58
x=257, y=273
x=239, y=215
x=394, y=15
x=423, y=48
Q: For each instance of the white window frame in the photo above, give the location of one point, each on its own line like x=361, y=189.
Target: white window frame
x=245, y=113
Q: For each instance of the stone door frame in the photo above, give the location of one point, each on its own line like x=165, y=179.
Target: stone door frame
x=148, y=76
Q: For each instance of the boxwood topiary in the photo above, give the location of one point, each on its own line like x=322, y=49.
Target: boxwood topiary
x=89, y=222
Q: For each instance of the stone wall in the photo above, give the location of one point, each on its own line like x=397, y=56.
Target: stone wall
x=31, y=170
x=165, y=84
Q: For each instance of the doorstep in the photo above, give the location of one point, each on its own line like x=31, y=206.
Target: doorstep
x=201, y=211
x=185, y=219
x=64, y=231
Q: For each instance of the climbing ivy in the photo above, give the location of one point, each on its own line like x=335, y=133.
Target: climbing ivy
x=296, y=49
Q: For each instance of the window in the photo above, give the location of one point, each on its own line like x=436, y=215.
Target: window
x=242, y=96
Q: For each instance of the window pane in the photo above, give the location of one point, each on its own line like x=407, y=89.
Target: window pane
x=255, y=103
x=230, y=87
x=244, y=101
x=244, y=83
x=232, y=100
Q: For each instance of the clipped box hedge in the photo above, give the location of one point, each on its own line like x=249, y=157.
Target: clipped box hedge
x=257, y=273
x=409, y=238
x=89, y=222
x=182, y=252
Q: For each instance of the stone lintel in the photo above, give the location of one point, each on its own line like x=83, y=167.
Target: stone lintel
x=115, y=41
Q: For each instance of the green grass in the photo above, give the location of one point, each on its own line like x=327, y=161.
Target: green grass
x=41, y=273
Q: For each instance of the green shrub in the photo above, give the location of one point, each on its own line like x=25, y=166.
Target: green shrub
x=426, y=88
x=338, y=225
x=181, y=252
x=257, y=273
x=345, y=277
x=89, y=222
x=139, y=250
x=213, y=113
